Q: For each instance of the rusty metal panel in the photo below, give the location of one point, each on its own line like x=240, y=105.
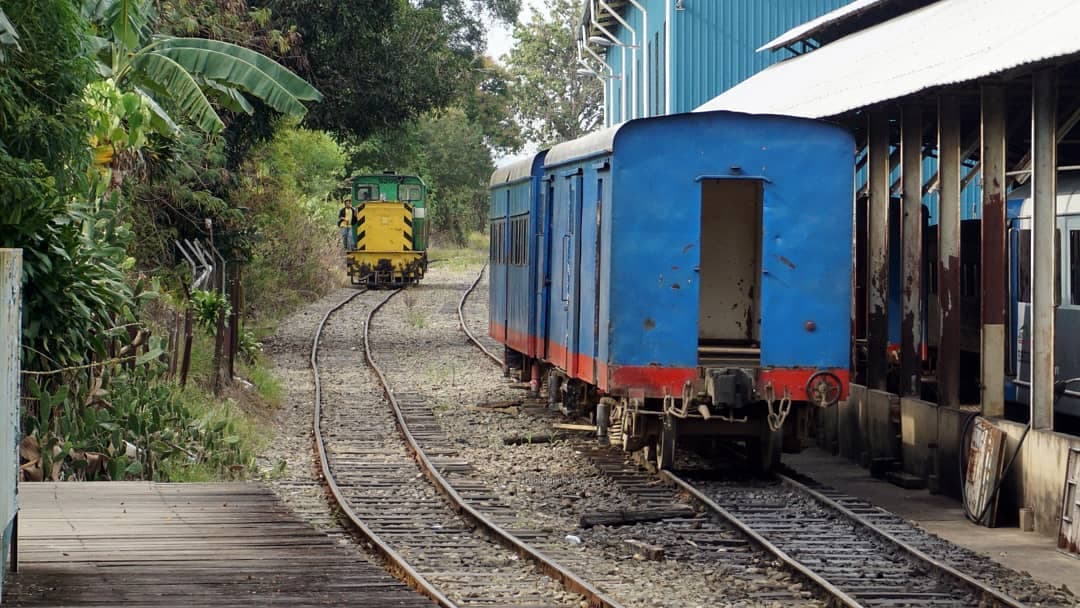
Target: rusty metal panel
x=10, y=334
x=993, y=250
x=1069, y=532
x=948, y=370
x=985, y=457
x=878, y=253
x=911, y=165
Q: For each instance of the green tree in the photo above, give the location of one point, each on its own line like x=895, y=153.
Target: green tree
x=553, y=102
x=383, y=63
x=181, y=72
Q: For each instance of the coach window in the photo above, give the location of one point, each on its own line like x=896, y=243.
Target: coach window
x=1074, y=267
x=1024, y=270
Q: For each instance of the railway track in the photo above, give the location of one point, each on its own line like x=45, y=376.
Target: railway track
x=396, y=493
x=852, y=552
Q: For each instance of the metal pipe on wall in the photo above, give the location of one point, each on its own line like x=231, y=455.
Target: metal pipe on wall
x=644, y=53
x=622, y=48
x=992, y=165
x=1043, y=241
x=878, y=252
x=911, y=165
x=948, y=369
x=603, y=81
x=633, y=66
x=667, y=57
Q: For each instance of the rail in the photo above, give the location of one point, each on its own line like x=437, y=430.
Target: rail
x=548, y=566
x=397, y=563
x=1000, y=598
x=465, y=326
x=824, y=585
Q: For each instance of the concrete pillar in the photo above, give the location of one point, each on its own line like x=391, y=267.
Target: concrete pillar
x=948, y=368
x=993, y=250
x=877, y=330
x=1043, y=237
x=911, y=313
x=11, y=275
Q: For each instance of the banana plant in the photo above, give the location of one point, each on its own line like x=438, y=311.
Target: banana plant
x=183, y=74
x=8, y=35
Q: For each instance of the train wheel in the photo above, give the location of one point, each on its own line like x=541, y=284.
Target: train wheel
x=763, y=453
x=665, y=443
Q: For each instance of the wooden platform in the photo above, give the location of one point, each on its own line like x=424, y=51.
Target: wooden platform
x=139, y=544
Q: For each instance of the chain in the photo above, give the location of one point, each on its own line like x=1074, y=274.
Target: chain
x=777, y=415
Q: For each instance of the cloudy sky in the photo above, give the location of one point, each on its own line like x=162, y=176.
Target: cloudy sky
x=501, y=38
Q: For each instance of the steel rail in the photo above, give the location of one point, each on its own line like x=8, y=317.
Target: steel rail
x=817, y=579
x=397, y=564
x=465, y=326
x=1000, y=598
x=548, y=566
x=843, y=598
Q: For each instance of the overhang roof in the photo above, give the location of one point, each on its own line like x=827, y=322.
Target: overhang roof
x=808, y=29
x=945, y=43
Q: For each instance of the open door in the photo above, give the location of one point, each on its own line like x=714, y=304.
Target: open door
x=729, y=300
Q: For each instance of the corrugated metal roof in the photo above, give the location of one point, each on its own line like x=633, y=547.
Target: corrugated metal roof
x=513, y=171
x=597, y=142
x=948, y=42
x=808, y=29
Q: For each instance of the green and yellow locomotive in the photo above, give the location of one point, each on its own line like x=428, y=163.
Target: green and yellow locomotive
x=391, y=230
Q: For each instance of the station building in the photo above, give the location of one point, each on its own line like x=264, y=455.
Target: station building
x=986, y=371
x=659, y=57
x=967, y=249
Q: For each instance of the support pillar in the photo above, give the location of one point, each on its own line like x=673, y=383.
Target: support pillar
x=993, y=250
x=1043, y=250
x=948, y=368
x=877, y=330
x=911, y=313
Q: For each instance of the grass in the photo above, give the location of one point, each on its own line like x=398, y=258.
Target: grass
x=474, y=253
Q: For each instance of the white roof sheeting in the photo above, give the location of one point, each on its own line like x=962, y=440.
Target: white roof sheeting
x=592, y=144
x=808, y=29
x=1068, y=195
x=948, y=42
x=513, y=171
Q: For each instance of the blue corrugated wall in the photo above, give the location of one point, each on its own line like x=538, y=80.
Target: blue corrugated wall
x=713, y=47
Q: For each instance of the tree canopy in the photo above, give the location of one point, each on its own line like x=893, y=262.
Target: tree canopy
x=553, y=103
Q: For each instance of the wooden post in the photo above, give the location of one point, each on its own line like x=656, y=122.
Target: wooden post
x=185, y=362
x=234, y=320
x=877, y=330
x=948, y=368
x=1043, y=245
x=993, y=250
x=911, y=140
x=10, y=372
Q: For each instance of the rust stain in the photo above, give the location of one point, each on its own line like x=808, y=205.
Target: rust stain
x=787, y=262
x=688, y=247
x=649, y=324
x=675, y=286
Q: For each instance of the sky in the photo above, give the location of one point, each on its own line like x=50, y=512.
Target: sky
x=501, y=37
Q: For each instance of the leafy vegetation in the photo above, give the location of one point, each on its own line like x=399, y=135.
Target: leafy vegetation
x=553, y=102
x=128, y=126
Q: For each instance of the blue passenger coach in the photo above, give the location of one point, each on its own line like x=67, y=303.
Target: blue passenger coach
x=680, y=275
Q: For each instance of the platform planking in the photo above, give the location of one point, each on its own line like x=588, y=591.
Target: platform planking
x=142, y=544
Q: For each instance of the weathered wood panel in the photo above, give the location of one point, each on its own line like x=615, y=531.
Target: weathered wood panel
x=161, y=545
x=10, y=369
